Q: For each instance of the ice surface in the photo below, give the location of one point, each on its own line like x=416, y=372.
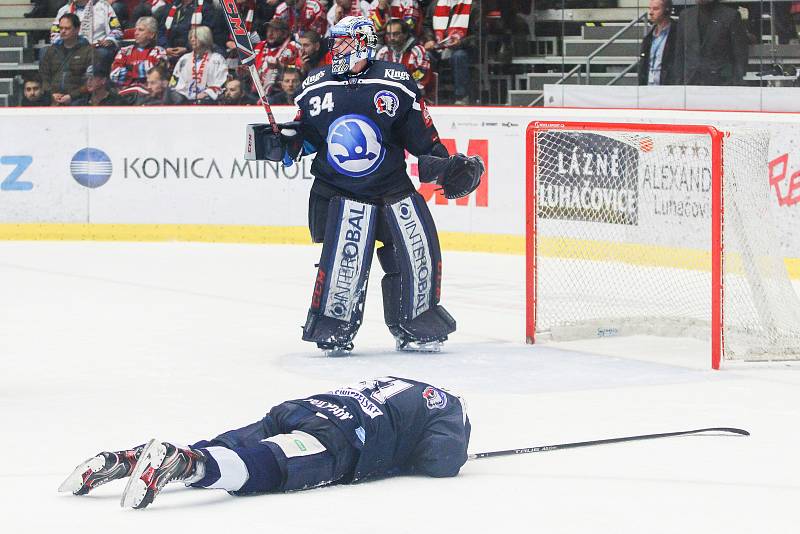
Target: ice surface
x=105, y=345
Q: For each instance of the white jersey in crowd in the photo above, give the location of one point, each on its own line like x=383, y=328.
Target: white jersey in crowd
x=194, y=74
x=97, y=24
x=357, y=9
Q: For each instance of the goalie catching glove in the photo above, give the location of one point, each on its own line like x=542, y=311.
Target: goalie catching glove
x=459, y=175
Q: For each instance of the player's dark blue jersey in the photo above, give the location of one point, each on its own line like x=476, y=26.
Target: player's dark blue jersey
x=399, y=425
x=361, y=127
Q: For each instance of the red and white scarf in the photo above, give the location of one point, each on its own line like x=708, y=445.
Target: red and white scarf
x=197, y=16
x=451, y=17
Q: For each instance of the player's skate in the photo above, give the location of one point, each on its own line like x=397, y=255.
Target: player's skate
x=411, y=345
x=98, y=470
x=335, y=351
x=159, y=464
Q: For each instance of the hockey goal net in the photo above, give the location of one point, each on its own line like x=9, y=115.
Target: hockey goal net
x=658, y=230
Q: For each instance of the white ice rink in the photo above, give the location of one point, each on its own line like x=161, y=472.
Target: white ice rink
x=105, y=345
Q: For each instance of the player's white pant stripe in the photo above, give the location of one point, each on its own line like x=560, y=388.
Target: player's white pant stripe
x=233, y=473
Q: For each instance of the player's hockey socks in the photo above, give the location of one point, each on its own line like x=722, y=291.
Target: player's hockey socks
x=98, y=470
x=158, y=464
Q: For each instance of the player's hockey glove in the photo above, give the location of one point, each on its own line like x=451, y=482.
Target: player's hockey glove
x=459, y=175
x=264, y=144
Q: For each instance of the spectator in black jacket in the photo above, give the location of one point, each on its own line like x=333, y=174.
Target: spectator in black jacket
x=711, y=46
x=175, y=21
x=33, y=93
x=658, y=46
x=97, y=85
x=159, y=93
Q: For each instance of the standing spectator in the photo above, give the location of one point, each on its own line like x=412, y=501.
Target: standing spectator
x=382, y=11
x=63, y=65
x=99, y=26
x=278, y=50
x=303, y=15
x=312, y=54
x=711, y=46
x=200, y=74
x=33, y=93
x=130, y=67
x=176, y=20
x=658, y=46
x=99, y=94
x=235, y=95
x=453, y=34
x=402, y=47
x=348, y=8
x=289, y=84
x=158, y=91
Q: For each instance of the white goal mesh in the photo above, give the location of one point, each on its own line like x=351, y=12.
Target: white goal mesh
x=622, y=236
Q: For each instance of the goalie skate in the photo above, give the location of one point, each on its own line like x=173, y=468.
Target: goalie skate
x=100, y=469
x=406, y=345
x=160, y=463
x=335, y=351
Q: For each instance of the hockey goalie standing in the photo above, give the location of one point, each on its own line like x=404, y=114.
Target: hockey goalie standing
x=360, y=116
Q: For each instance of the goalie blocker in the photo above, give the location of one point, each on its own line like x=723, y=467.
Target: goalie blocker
x=410, y=257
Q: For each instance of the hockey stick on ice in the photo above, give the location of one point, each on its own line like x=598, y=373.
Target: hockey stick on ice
x=247, y=55
x=545, y=448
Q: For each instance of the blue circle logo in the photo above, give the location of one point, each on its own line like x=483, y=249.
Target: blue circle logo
x=91, y=167
x=355, y=146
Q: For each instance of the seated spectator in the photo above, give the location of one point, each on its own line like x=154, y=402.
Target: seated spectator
x=200, y=74
x=452, y=35
x=289, y=87
x=276, y=51
x=402, y=47
x=99, y=94
x=347, y=8
x=235, y=95
x=33, y=93
x=382, y=11
x=658, y=46
x=158, y=91
x=129, y=11
x=711, y=46
x=312, y=53
x=176, y=20
x=99, y=26
x=64, y=64
x=303, y=15
x=129, y=70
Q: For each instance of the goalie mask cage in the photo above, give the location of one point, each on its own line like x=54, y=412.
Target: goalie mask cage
x=655, y=229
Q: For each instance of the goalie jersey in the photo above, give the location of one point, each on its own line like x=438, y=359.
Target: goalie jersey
x=361, y=126
x=398, y=425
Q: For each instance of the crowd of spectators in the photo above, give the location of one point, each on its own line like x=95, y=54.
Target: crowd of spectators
x=157, y=52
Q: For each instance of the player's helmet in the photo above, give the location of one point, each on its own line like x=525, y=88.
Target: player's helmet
x=351, y=40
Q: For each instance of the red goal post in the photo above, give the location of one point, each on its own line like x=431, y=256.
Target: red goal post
x=592, y=225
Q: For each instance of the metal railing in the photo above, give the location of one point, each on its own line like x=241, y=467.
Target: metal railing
x=587, y=65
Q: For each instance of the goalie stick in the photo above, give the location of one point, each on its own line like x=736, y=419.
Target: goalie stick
x=545, y=448
x=247, y=55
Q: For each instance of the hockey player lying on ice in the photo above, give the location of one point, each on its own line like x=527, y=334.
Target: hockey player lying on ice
x=376, y=428
x=359, y=116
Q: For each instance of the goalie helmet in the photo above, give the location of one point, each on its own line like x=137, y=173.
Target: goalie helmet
x=352, y=39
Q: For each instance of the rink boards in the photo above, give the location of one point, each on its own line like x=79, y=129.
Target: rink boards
x=163, y=174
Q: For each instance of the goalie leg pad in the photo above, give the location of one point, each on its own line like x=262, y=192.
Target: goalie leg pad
x=337, y=303
x=413, y=266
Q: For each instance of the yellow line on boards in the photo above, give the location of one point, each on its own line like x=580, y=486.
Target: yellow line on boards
x=647, y=255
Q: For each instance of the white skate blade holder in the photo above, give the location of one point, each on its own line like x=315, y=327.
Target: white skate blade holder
x=418, y=346
x=75, y=480
x=152, y=456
